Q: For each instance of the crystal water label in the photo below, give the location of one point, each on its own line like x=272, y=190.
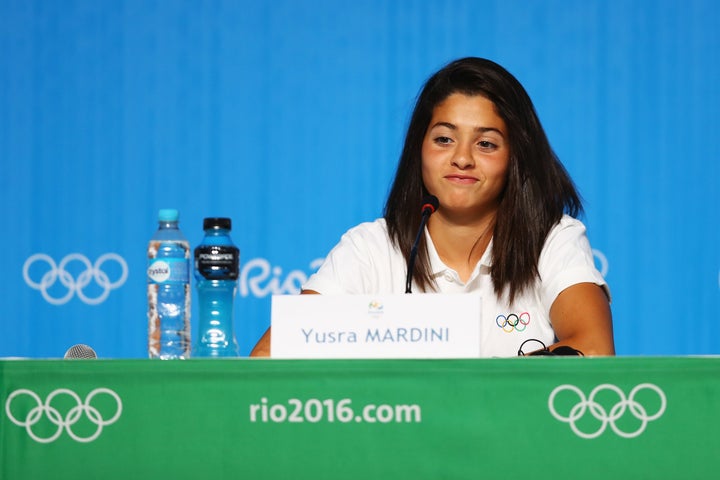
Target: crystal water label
x=168, y=270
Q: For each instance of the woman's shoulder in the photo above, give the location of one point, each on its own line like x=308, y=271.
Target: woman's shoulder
x=568, y=233
x=567, y=223
x=373, y=230
x=366, y=237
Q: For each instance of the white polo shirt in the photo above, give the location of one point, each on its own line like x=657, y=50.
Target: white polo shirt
x=366, y=262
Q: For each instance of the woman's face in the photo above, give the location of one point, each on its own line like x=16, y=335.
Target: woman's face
x=465, y=156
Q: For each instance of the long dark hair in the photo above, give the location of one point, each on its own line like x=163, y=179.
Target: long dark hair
x=538, y=189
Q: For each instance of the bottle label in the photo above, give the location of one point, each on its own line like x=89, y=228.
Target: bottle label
x=168, y=270
x=216, y=262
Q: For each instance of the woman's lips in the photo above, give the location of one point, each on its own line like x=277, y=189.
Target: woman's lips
x=461, y=179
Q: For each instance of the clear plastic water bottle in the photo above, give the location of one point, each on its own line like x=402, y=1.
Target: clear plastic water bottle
x=168, y=290
x=217, y=263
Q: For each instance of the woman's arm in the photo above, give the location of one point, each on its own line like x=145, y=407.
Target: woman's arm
x=581, y=318
x=262, y=347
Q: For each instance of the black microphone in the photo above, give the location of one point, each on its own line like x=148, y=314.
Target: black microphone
x=429, y=205
x=79, y=351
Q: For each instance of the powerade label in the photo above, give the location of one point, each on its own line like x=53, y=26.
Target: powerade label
x=168, y=270
x=216, y=262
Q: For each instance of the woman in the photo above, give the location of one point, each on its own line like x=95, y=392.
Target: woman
x=505, y=227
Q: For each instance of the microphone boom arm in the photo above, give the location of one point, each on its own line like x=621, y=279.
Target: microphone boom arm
x=430, y=204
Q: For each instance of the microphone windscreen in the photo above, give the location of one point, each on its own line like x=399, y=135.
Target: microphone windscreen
x=80, y=351
x=430, y=202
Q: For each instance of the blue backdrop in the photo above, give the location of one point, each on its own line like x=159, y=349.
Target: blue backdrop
x=288, y=117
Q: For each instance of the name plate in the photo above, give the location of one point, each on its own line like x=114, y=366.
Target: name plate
x=376, y=326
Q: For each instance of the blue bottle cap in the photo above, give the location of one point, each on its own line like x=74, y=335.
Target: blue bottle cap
x=168, y=215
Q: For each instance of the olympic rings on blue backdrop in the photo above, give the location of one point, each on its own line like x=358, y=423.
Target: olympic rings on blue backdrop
x=75, y=285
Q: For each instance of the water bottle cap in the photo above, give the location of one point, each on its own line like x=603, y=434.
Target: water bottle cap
x=168, y=215
x=217, y=223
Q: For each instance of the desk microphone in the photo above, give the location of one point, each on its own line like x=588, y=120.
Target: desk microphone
x=430, y=204
x=79, y=351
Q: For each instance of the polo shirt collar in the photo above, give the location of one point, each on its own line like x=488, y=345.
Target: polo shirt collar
x=437, y=267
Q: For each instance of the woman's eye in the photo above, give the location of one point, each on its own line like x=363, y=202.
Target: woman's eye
x=485, y=145
x=443, y=140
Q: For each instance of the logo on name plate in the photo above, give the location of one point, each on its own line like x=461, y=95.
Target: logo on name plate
x=375, y=308
x=627, y=416
x=63, y=410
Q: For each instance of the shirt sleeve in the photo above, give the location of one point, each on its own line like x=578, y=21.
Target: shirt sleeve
x=566, y=260
x=354, y=265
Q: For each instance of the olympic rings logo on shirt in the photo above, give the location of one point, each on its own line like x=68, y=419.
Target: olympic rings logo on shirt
x=610, y=417
x=91, y=272
x=71, y=418
x=513, y=322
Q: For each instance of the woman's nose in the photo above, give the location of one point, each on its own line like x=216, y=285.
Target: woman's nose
x=463, y=158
